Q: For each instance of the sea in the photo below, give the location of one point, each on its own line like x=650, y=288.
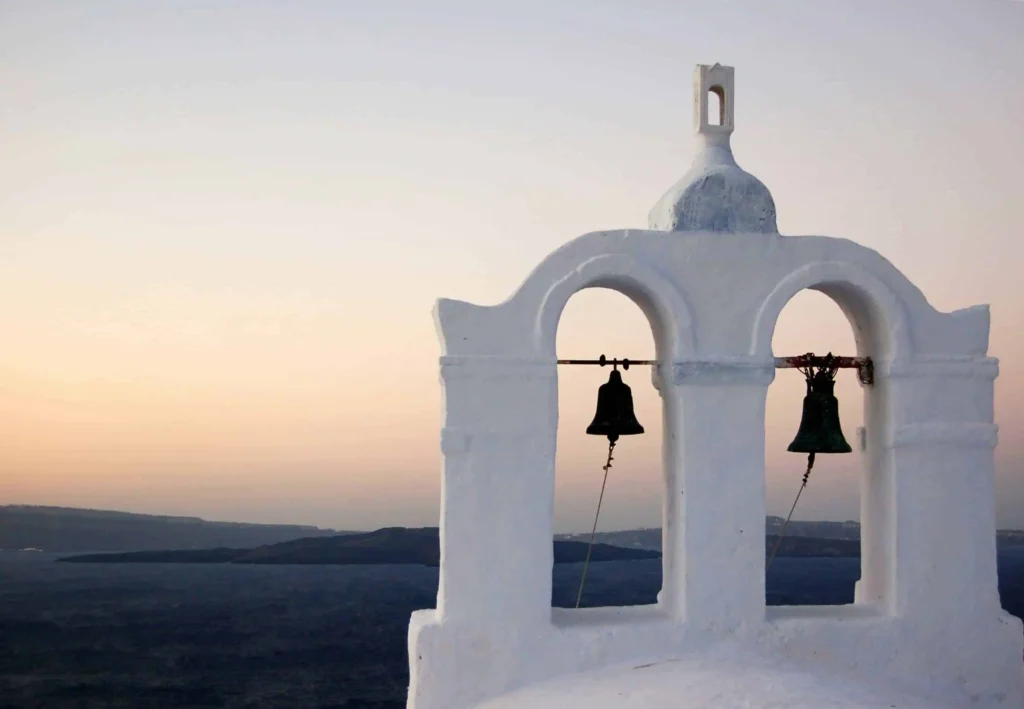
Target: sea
x=243, y=636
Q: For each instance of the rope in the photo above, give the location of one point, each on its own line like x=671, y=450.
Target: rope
x=810, y=464
x=590, y=546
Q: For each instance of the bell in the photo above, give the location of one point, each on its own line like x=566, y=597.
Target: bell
x=820, y=431
x=614, y=415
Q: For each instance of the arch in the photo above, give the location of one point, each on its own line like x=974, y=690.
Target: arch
x=719, y=118
x=661, y=301
x=633, y=495
x=839, y=499
x=878, y=316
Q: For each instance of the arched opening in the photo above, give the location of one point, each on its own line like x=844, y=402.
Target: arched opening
x=818, y=560
x=599, y=321
x=716, y=106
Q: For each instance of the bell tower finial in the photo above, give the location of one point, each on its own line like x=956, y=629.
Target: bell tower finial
x=713, y=99
x=715, y=194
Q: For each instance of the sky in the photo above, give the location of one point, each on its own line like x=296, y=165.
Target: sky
x=223, y=227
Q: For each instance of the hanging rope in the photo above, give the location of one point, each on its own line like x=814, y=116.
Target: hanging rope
x=590, y=546
x=782, y=532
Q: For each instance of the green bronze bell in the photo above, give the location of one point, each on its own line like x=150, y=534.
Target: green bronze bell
x=820, y=430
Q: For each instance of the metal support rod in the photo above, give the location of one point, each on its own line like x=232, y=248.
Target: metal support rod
x=626, y=363
x=864, y=366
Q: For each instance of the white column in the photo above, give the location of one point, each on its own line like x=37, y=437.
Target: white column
x=715, y=507
x=877, y=499
x=941, y=452
x=498, y=441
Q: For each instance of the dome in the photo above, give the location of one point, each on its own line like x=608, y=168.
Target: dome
x=716, y=194
x=723, y=677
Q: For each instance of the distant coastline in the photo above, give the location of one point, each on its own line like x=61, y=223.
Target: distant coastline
x=68, y=530
x=76, y=530
x=399, y=545
x=392, y=545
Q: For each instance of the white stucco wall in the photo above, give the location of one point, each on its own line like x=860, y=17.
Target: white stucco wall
x=927, y=612
x=723, y=677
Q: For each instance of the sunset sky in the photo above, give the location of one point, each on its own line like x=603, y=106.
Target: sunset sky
x=223, y=226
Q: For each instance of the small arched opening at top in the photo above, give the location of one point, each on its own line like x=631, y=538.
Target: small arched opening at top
x=716, y=106
x=596, y=321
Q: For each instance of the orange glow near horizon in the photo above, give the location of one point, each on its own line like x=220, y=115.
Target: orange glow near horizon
x=222, y=233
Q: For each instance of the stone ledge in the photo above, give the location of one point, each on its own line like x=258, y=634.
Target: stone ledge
x=958, y=433
x=459, y=440
x=475, y=366
x=939, y=366
x=723, y=371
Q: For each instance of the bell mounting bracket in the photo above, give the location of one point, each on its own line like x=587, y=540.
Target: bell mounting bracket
x=864, y=366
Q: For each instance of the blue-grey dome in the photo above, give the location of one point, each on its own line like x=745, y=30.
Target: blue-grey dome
x=716, y=195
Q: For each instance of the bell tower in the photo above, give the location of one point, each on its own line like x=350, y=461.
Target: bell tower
x=712, y=275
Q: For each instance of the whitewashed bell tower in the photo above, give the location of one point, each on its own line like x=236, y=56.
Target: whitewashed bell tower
x=712, y=275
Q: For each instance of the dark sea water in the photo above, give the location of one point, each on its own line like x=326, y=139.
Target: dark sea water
x=177, y=636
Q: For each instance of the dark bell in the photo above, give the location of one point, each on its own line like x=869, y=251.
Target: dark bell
x=820, y=431
x=614, y=415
